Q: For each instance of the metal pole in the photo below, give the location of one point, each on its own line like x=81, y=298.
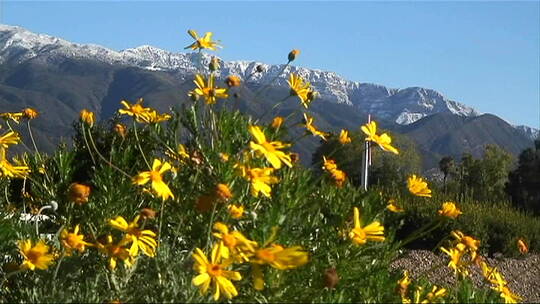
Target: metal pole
x=366, y=162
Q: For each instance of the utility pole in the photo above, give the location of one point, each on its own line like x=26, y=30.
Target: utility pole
x=366, y=162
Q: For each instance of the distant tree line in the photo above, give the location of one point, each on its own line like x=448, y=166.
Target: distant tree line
x=494, y=177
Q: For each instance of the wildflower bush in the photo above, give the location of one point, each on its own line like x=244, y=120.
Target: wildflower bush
x=200, y=205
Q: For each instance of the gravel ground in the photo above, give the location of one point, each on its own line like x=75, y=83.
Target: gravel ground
x=522, y=274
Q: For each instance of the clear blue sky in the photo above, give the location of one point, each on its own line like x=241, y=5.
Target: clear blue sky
x=483, y=54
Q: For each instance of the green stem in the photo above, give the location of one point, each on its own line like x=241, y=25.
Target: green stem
x=87, y=144
x=422, y=231
x=105, y=160
x=139, y=145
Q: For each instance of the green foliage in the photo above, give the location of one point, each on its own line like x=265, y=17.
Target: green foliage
x=524, y=182
x=482, y=179
x=498, y=226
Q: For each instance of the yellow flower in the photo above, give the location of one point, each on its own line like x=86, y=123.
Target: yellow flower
x=120, y=129
x=300, y=88
x=30, y=113
x=10, y=138
x=136, y=110
x=393, y=207
x=206, y=89
x=73, y=240
x=449, y=210
x=15, y=116
x=329, y=164
x=115, y=251
x=260, y=179
x=233, y=81
x=492, y=274
x=155, y=175
x=372, y=232
x=522, y=246
x=224, y=157
x=292, y=54
x=499, y=283
x=384, y=140
x=468, y=242
x=235, y=244
x=338, y=176
x=223, y=192
x=456, y=260
x=87, y=117
x=270, y=150
x=435, y=294
x=78, y=193
x=403, y=284
x=277, y=122
x=235, y=211
x=344, y=137
x=204, y=42
x=418, y=186
x=37, y=256
x=139, y=239
x=214, y=273
x=155, y=117
x=9, y=170
x=311, y=128
x=281, y=258
x=508, y=296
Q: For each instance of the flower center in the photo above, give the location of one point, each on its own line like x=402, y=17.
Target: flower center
x=268, y=146
x=137, y=109
x=33, y=255
x=155, y=176
x=266, y=255
x=214, y=270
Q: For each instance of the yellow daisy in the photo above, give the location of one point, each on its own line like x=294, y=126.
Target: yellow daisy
x=213, y=272
x=155, y=175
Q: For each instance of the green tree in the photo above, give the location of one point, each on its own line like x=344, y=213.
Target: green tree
x=524, y=182
x=484, y=178
x=447, y=166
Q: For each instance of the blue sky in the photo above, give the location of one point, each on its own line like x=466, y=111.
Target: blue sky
x=483, y=54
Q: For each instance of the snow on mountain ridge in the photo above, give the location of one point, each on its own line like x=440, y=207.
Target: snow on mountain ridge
x=403, y=106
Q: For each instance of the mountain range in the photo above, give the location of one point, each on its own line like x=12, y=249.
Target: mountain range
x=59, y=78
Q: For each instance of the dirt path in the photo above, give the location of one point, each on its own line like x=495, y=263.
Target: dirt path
x=522, y=274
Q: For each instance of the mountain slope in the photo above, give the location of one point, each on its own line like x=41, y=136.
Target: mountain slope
x=402, y=106
x=60, y=78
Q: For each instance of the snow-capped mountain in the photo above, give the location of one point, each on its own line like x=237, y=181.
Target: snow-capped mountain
x=531, y=133
x=403, y=106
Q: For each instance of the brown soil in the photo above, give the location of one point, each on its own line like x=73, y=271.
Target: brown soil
x=522, y=274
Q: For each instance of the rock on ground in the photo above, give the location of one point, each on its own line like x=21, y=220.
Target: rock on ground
x=522, y=274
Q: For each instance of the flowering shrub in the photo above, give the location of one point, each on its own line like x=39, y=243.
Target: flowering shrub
x=200, y=205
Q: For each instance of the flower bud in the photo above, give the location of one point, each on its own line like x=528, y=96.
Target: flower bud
x=223, y=192
x=148, y=213
x=233, y=81
x=87, y=117
x=120, y=129
x=30, y=113
x=235, y=211
x=331, y=278
x=277, y=122
x=214, y=64
x=78, y=193
x=293, y=54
